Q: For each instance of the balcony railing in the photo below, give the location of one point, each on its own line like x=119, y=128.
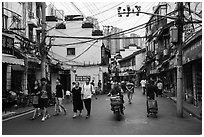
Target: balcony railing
x=97, y=33
x=51, y=18
x=87, y=25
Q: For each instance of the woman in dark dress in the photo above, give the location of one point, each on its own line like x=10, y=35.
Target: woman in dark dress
x=77, y=100
x=35, y=93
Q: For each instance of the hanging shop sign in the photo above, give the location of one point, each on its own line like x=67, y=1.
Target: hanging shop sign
x=7, y=45
x=193, y=52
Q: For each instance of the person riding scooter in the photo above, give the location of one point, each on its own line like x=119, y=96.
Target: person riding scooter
x=117, y=91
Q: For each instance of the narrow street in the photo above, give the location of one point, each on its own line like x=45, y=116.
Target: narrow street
x=102, y=121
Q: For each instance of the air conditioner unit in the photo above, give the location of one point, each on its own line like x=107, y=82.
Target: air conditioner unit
x=165, y=52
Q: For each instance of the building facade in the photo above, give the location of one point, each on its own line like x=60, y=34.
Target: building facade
x=131, y=67
x=78, y=57
x=161, y=58
x=20, y=38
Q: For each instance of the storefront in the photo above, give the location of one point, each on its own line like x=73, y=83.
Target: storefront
x=168, y=75
x=34, y=72
x=12, y=72
x=192, y=70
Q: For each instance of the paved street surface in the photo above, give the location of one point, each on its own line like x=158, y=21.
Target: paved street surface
x=102, y=121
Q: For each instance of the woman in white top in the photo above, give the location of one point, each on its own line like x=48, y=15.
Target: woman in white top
x=143, y=84
x=87, y=92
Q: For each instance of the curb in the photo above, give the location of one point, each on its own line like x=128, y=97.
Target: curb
x=15, y=114
x=186, y=109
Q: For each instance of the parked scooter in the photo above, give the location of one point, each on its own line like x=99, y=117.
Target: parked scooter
x=117, y=106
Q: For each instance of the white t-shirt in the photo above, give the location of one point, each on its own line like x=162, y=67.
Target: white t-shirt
x=87, y=91
x=143, y=83
x=159, y=85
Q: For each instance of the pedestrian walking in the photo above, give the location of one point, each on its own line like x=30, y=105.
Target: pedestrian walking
x=92, y=83
x=151, y=90
x=130, y=91
x=73, y=84
x=160, y=88
x=58, y=99
x=36, y=95
x=152, y=107
x=143, y=85
x=99, y=86
x=45, y=95
x=77, y=100
x=87, y=92
x=123, y=86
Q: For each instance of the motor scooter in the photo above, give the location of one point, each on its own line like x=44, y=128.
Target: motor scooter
x=117, y=106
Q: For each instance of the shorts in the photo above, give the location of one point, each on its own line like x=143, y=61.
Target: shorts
x=58, y=100
x=43, y=103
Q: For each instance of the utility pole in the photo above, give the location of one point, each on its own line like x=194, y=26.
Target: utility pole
x=179, y=22
x=43, y=44
x=179, y=60
x=109, y=38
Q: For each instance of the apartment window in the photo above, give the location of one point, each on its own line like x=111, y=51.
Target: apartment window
x=38, y=11
x=133, y=61
x=166, y=43
x=38, y=35
x=154, y=46
x=30, y=10
x=5, y=22
x=70, y=51
x=30, y=32
x=61, y=26
x=30, y=6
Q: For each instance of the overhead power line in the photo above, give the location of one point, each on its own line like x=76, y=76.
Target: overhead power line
x=108, y=9
x=112, y=16
x=60, y=56
x=97, y=38
x=125, y=31
x=102, y=37
x=78, y=9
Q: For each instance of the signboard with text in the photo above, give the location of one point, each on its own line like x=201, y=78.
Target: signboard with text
x=193, y=52
x=82, y=78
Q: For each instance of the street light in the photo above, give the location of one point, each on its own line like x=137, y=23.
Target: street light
x=138, y=10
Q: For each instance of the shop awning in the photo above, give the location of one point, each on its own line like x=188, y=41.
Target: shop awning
x=10, y=59
x=34, y=59
x=17, y=68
